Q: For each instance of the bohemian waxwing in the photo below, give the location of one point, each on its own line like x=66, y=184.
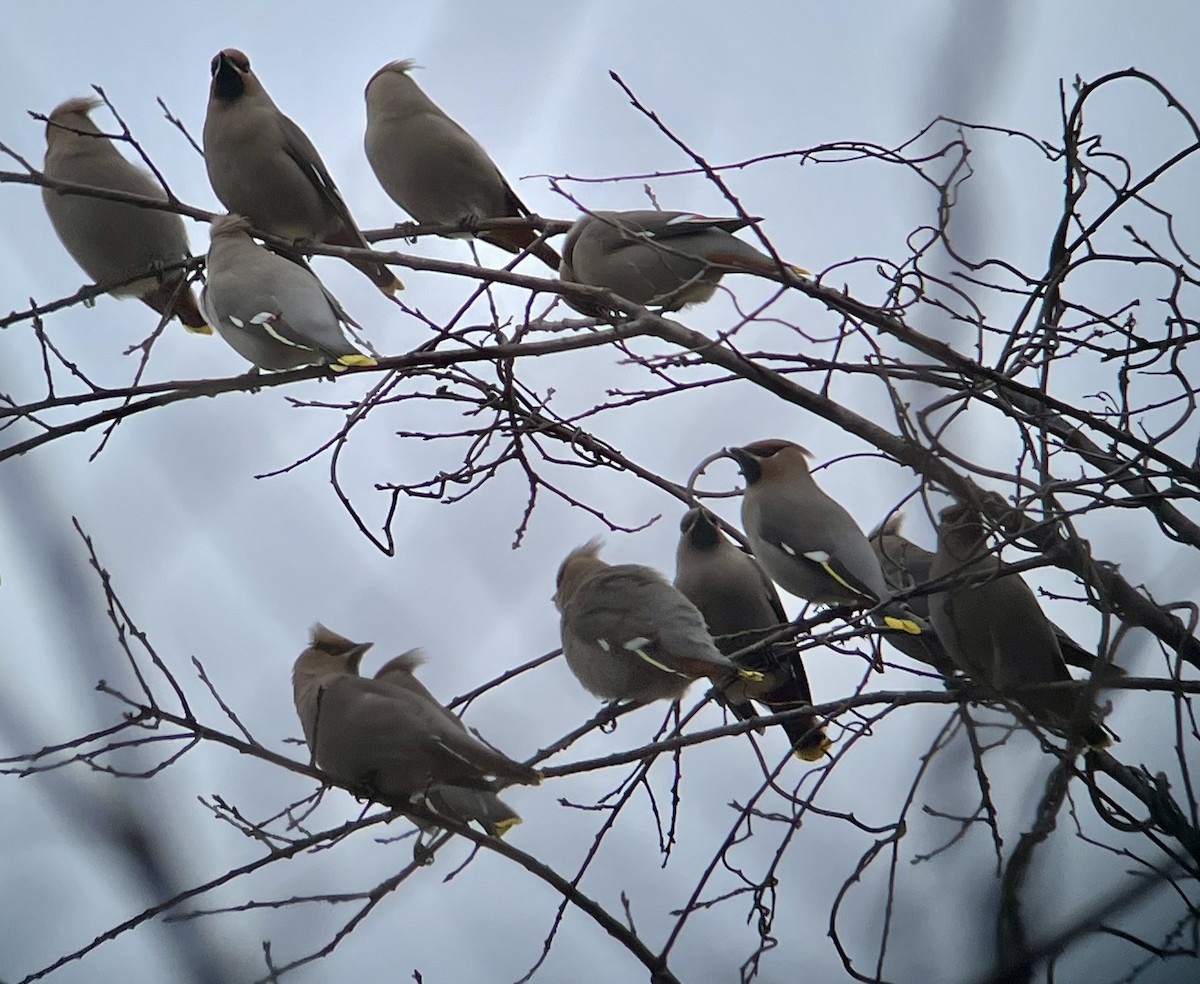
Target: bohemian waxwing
x=741, y=608
x=627, y=634
x=273, y=311
x=433, y=169
x=263, y=166
x=906, y=565
x=665, y=259
x=460, y=803
x=392, y=742
x=112, y=241
x=806, y=541
x=993, y=627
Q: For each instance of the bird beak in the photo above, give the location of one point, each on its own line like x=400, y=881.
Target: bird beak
x=741, y=456
x=747, y=462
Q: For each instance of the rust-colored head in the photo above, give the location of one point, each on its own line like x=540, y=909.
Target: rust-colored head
x=230, y=69
x=771, y=460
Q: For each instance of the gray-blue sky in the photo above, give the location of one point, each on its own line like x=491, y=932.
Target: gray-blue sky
x=217, y=564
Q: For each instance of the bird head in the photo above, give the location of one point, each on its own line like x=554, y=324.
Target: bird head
x=339, y=649
x=229, y=225
x=960, y=527
x=578, y=565
x=389, y=72
x=892, y=526
x=71, y=115
x=699, y=529
x=765, y=461
x=230, y=70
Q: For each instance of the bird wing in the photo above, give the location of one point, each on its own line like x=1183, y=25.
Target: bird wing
x=820, y=557
x=689, y=224
x=612, y=610
x=267, y=315
x=400, y=725
x=302, y=150
x=1024, y=647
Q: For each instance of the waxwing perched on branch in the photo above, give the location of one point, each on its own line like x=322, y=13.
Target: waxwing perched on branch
x=906, y=565
x=390, y=739
x=994, y=629
x=263, y=166
x=742, y=609
x=110, y=240
x=627, y=634
x=806, y=542
x=273, y=311
x=665, y=259
x=460, y=803
x=433, y=169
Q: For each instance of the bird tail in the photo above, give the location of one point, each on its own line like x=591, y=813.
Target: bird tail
x=897, y=615
x=516, y=240
x=908, y=625
x=1096, y=737
x=172, y=297
x=479, y=806
x=808, y=737
x=377, y=273
x=762, y=265
x=355, y=359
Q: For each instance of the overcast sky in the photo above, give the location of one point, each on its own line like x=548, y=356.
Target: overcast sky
x=216, y=563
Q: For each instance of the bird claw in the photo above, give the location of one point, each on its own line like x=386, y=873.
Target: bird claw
x=407, y=231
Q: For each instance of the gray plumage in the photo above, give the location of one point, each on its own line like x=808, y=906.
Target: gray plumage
x=460, y=803
x=433, y=169
x=392, y=742
x=906, y=565
x=627, y=634
x=665, y=259
x=263, y=166
x=113, y=241
x=993, y=627
x=273, y=311
x=808, y=543
x=742, y=609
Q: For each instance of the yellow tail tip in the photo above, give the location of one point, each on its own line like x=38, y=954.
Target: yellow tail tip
x=904, y=624
x=799, y=271
x=813, y=753
x=394, y=286
x=197, y=329
x=357, y=359
x=502, y=827
x=752, y=675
